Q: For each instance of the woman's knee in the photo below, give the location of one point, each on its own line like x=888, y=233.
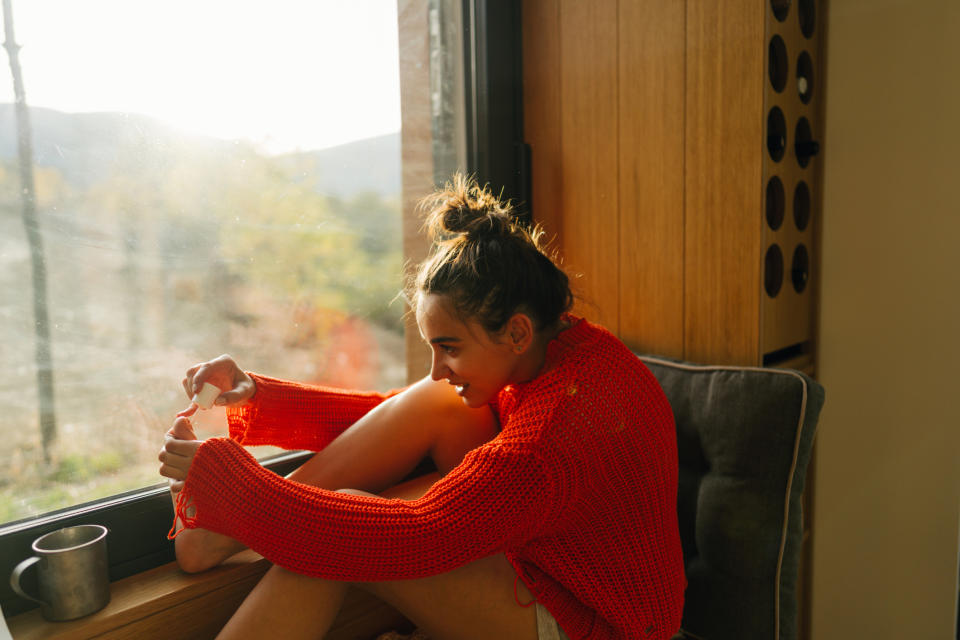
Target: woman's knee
x=461, y=430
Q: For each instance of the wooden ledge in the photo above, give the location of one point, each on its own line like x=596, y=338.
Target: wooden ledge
x=167, y=603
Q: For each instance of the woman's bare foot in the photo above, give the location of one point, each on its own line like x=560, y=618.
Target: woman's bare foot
x=199, y=549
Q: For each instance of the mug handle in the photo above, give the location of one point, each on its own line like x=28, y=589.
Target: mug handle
x=15, y=578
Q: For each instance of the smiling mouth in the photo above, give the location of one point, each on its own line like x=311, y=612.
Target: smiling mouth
x=461, y=388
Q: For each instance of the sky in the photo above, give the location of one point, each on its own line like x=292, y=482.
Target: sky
x=283, y=74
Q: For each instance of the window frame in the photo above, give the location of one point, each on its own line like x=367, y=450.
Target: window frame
x=139, y=520
x=496, y=150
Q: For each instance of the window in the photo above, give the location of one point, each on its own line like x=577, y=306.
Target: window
x=226, y=184
x=209, y=178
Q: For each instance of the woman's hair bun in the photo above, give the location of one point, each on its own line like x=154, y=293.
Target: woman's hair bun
x=487, y=263
x=464, y=208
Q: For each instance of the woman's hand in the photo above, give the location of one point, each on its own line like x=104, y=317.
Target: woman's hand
x=223, y=372
x=178, y=451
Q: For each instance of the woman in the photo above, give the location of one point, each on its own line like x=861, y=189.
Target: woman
x=553, y=511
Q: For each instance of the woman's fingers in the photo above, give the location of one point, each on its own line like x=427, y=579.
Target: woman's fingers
x=181, y=448
x=199, y=377
x=222, y=372
x=203, y=372
x=182, y=430
x=189, y=411
x=188, y=379
x=172, y=472
x=240, y=393
x=176, y=457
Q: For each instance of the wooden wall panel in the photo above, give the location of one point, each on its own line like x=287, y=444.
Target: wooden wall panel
x=541, y=101
x=647, y=127
x=588, y=154
x=651, y=174
x=724, y=141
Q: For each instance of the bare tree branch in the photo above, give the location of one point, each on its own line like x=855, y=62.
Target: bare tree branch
x=48, y=424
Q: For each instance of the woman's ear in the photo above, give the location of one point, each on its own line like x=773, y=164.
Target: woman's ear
x=520, y=332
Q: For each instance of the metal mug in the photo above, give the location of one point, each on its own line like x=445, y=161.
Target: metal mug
x=71, y=572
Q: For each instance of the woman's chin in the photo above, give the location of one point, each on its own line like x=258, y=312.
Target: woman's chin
x=472, y=400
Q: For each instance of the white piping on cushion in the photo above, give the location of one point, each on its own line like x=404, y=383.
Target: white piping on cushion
x=793, y=465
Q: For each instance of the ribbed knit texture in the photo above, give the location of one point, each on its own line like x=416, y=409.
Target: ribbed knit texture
x=578, y=490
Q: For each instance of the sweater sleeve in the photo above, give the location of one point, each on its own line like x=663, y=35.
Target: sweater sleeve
x=293, y=415
x=496, y=498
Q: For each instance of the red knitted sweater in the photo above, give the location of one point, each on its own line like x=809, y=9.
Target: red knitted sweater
x=578, y=491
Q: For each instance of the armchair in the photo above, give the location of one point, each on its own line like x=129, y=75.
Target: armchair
x=744, y=436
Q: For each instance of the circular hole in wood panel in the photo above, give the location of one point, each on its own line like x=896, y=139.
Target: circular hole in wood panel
x=801, y=205
x=807, y=14
x=804, y=145
x=805, y=77
x=775, y=203
x=778, y=63
x=780, y=9
x=773, y=270
x=800, y=268
x=776, y=134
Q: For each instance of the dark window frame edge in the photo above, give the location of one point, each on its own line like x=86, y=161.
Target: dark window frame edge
x=497, y=153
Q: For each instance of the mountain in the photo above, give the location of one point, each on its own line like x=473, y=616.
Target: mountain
x=83, y=146
x=86, y=147
x=372, y=164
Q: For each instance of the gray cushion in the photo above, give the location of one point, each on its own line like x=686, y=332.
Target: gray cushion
x=744, y=437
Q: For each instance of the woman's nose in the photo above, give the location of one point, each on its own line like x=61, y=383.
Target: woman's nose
x=438, y=370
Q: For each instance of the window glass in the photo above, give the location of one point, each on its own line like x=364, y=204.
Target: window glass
x=208, y=177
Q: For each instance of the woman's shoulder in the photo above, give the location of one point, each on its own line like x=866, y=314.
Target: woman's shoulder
x=578, y=357
x=586, y=345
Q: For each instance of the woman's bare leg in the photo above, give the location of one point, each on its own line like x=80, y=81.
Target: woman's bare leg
x=286, y=605
x=472, y=602
x=475, y=601
x=373, y=455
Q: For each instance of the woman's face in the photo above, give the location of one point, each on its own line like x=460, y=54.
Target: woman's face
x=464, y=354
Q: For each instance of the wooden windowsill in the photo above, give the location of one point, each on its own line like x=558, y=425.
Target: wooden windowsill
x=167, y=603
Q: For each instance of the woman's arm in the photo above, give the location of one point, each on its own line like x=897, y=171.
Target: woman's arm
x=375, y=453
x=262, y=410
x=294, y=415
x=496, y=499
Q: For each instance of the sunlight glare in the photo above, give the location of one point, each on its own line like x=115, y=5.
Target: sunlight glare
x=286, y=75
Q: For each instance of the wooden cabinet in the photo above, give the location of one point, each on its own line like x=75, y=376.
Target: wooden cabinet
x=648, y=123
